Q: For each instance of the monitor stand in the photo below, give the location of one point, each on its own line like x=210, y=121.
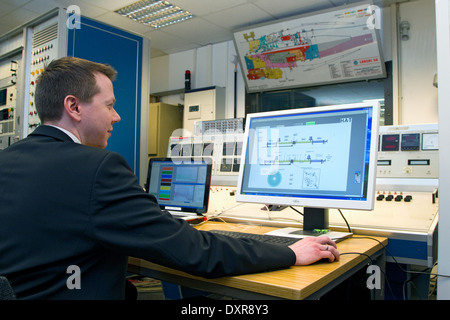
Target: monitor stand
x=315, y=223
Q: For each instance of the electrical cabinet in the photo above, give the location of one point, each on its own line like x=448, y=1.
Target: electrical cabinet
x=7, y=115
x=10, y=64
x=203, y=104
x=409, y=151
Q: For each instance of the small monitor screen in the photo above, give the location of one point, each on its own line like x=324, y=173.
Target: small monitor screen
x=323, y=157
x=3, y=94
x=180, y=183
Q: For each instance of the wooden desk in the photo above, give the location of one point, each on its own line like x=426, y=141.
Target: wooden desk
x=295, y=283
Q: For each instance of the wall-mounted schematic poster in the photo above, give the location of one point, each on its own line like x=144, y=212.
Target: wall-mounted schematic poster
x=341, y=45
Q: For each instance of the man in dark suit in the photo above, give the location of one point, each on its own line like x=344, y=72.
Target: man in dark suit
x=72, y=212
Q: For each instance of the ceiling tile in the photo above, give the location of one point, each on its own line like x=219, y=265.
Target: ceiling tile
x=89, y=10
x=240, y=16
x=64, y=3
x=110, y=5
x=291, y=7
x=169, y=43
x=6, y=8
x=41, y=6
x=166, y=40
x=20, y=17
x=115, y=19
x=198, y=30
x=16, y=3
x=203, y=7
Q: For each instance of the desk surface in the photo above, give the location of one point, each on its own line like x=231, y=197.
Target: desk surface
x=296, y=282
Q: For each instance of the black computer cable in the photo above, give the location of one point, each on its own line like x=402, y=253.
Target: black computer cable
x=345, y=220
x=399, y=265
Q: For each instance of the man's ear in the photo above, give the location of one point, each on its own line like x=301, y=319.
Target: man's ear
x=71, y=106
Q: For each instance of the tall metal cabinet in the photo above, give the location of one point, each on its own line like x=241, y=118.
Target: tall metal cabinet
x=163, y=120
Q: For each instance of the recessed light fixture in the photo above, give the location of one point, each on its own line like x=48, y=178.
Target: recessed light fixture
x=155, y=13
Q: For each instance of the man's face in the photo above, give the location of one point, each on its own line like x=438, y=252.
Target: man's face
x=98, y=116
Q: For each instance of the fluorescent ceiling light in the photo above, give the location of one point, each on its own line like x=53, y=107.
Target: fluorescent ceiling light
x=155, y=13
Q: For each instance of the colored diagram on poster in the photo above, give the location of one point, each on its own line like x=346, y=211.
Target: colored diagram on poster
x=310, y=157
x=329, y=47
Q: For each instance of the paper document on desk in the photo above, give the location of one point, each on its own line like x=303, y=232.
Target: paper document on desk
x=188, y=216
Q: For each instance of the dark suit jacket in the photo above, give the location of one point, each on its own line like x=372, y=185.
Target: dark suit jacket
x=65, y=204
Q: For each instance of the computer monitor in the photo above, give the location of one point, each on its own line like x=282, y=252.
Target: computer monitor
x=180, y=184
x=317, y=158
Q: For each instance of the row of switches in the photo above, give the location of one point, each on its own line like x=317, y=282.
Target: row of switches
x=397, y=197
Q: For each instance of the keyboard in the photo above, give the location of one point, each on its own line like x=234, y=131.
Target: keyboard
x=287, y=241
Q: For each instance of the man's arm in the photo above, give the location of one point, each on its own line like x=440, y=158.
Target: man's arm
x=127, y=220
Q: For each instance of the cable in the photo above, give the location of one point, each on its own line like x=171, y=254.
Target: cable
x=387, y=283
x=398, y=263
x=433, y=282
x=417, y=273
x=342, y=215
x=406, y=282
x=360, y=253
x=300, y=213
x=372, y=263
x=395, y=260
x=346, y=222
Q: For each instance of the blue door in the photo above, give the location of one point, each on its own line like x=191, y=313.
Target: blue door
x=123, y=51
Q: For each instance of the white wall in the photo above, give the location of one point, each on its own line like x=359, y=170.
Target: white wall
x=212, y=65
x=443, y=58
x=417, y=97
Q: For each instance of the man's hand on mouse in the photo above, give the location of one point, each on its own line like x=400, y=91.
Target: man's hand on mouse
x=312, y=249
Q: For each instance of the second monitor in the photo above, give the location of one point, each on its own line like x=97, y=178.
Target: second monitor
x=317, y=158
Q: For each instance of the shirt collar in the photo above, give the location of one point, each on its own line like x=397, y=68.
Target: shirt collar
x=70, y=134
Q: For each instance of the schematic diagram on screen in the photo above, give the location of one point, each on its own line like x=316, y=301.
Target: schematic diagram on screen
x=310, y=157
x=311, y=178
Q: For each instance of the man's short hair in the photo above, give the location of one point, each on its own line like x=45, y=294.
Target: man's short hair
x=67, y=76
